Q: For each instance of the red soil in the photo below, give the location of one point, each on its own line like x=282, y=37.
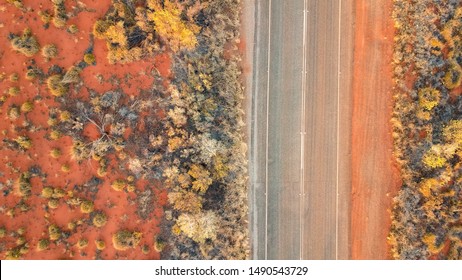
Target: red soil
x=120, y=207
x=375, y=178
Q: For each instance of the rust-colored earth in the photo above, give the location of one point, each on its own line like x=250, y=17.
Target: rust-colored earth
x=120, y=207
x=375, y=178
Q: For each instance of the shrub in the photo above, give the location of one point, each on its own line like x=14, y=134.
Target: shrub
x=13, y=113
x=55, y=134
x=86, y=206
x=100, y=219
x=124, y=239
x=53, y=203
x=73, y=29
x=89, y=58
x=119, y=185
x=71, y=225
x=56, y=86
x=54, y=232
x=429, y=98
x=25, y=44
x=27, y=107
x=43, y=244
x=47, y=192
x=100, y=245
x=65, y=168
x=13, y=91
x=82, y=243
x=23, y=184
x=55, y=153
x=49, y=51
x=32, y=74
x=14, y=77
x=24, y=142
x=72, y=75
x=99, y=29
x=45, y=16
x=159, y=244
x=453, y=76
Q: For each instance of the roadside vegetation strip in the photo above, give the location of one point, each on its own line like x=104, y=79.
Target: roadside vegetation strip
x=427, y=130
x=164, y=115
x=200, y=152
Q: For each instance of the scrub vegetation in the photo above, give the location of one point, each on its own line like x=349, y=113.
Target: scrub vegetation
x=427, y=130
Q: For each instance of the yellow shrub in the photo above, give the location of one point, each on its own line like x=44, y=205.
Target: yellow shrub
x=87, y=206
x=433, y=160
x=429, y=239
x=119, y=185
x=27, y=107
x=100, y=245
x=54, y=232
x=429, y=98
x=47, y=192
x=24, y=142
x=173, y=29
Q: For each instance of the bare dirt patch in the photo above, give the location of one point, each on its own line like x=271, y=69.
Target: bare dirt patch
x=375, y=179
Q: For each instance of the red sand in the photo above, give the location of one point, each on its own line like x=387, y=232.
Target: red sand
x=119, y=206
x=375, y=178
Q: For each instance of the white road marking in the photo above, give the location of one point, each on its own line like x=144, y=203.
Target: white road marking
x=267, y=134
x=338, y=126
x=302, y=134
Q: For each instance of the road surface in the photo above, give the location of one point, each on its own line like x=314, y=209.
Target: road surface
x=300, y=119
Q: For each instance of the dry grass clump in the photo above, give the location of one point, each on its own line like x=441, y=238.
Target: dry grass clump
x=124, y=239
x=100, y=245
x=13, y=91
x=16, y=3
x=43, y=244
x=60, y=17
x=73, y=29
x=13, y=113
x=25, y=44
x=27, y=107
x=54, y=232
x=14, y=77
x=47, y=192
x=72, y=75
x=89, y=59
x=87, y=206
x=56, y=85
x=53, y=203
x=55, y=134
x=55, y=153
x=100, y=219
x=82, y=243
x=49, y=51
x=2, y=232
x=119, y=185
x=33, y=73
x=24, y=142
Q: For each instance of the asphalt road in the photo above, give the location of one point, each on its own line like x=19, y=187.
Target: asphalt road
x=300, y=119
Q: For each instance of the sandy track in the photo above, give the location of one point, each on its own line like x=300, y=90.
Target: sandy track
x=375, y=179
